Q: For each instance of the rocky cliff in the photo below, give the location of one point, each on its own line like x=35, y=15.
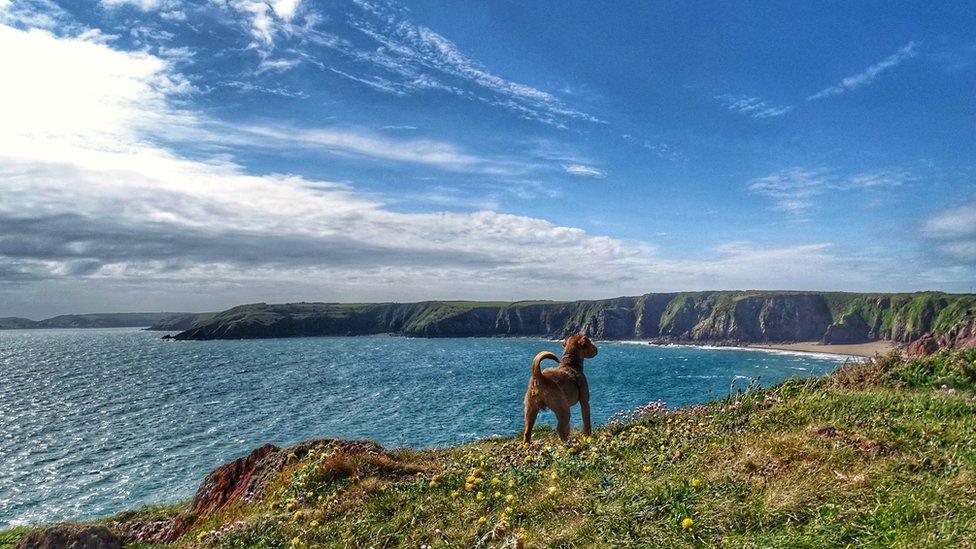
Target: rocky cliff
x=719, y=316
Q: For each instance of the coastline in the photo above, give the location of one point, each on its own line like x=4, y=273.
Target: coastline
x=856, y=350
x=864, y=350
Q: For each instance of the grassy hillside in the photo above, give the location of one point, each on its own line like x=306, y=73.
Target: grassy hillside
x=90, y=320
x=880, y=454
x=729, y=316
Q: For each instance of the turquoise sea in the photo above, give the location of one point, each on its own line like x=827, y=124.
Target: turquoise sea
x=96, y=421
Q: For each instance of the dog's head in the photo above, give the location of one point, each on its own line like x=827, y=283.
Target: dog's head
x=582, y=344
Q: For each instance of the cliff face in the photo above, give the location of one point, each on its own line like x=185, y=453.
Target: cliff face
x=728, y=316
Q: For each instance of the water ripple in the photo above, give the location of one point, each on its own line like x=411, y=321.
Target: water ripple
x=96, y=421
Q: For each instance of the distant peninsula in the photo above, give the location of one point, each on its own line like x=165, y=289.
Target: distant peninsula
x=729, y=317
x=92, y=320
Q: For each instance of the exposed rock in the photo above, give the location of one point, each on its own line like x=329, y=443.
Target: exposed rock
x=850, y=329
x=962, y=336
x=923, y=346
x=154, y=531
x=69, y=536
x=228, y=483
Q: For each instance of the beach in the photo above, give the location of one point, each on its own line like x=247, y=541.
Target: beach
x=856, y=349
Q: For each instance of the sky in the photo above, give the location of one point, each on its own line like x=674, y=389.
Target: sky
x=194, y=155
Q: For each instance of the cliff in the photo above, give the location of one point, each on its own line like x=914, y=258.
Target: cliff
x=719, y=316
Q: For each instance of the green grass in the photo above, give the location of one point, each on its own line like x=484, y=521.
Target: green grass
x=876, y=455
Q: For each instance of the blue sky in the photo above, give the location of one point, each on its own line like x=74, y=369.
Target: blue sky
x=162, y=154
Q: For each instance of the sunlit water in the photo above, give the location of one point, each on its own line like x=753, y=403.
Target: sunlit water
x=96, y=421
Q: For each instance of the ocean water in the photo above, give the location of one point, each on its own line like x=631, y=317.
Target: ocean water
x=97, y=421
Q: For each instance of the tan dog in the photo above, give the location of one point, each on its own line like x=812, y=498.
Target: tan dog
x=560, y=388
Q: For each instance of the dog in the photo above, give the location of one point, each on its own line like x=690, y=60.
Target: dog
x=560, y=388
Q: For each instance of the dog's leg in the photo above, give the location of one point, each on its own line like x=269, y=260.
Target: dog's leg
x=531, y=412
x=585, y=409
x=562, y=425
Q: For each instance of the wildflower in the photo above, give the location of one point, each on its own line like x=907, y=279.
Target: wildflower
x=552, y=490
x=495, y=481
x=455, y=493
x=432, y=483
x=509, y=498
x=296, y=541
x=299, y=514
x=511, y=483
x=696, y=482
x=687, y=523
x=479, y=496
x=468, y=487
x=554, y=475
x=200, y=536
x=482, y=520
x=648, y=469
x=508, y=510
x=314, y=524
x=497, y=495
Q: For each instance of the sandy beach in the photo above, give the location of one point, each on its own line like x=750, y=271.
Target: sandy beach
x=858, y=349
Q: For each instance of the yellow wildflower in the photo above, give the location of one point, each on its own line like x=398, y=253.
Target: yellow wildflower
x=468, y=487
x=495, y=481
x=479, y=496
x=482, y=520
x=497, y=494
x=552, y=490
x=509, y=498
x=696, y=482
x=687, y=523
x=314, y=524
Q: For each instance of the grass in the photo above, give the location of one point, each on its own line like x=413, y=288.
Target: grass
x=876, y=455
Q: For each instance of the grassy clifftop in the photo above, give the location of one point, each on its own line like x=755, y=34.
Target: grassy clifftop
x=734, y=316
x=877, y=454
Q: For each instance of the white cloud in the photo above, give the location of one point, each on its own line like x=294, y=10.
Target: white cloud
x=868, y=75
x=960, y=221
x=277, y=65
x=90, y=199
x=357, y=142
x=403, y=57
x=954, y=231
x=752, y=106
x=584, y=170
x=794, y=189
x=144, y=5
x=86, y=192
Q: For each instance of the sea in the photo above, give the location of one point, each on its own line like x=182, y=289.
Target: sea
x=96, y=421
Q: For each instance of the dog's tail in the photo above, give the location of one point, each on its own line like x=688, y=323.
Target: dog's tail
x=537, y=364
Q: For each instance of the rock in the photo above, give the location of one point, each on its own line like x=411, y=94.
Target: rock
x=963, y=335
x=68, y=536
x=155, y=531
x=228, y=483
x=923, y=346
